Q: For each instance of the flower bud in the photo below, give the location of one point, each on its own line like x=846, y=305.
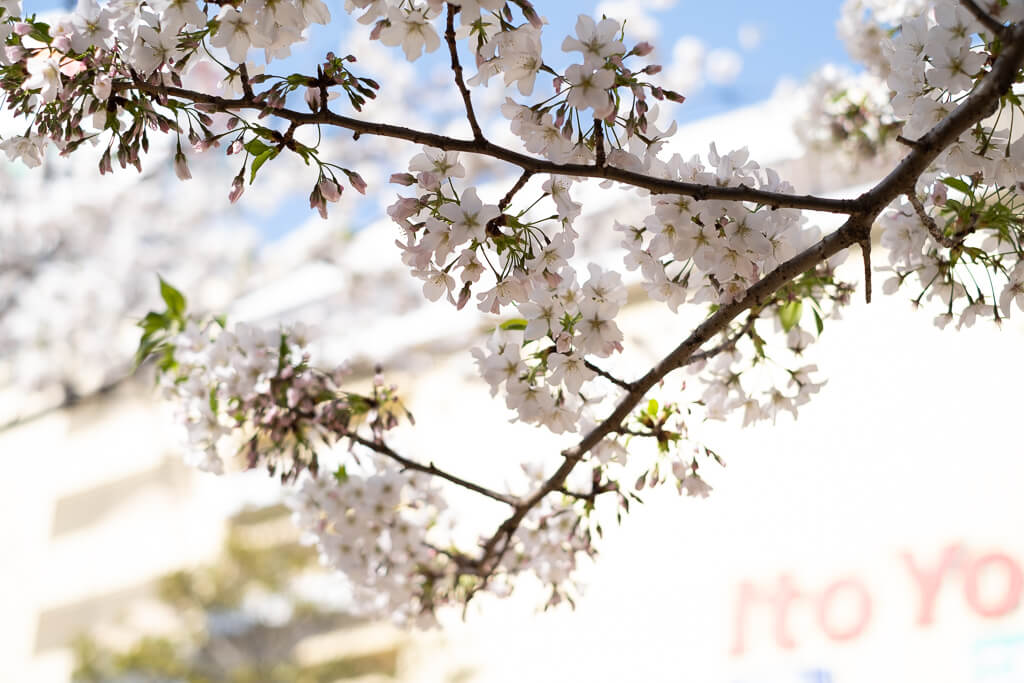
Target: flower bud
x=313, y=99
x=405, y=179
x=330, y=189
x=643, y=49
x=237, y=188
x=357, y=182
x=181, y=167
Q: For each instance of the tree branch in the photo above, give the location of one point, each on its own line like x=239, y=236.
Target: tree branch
x=527, y=163
x=990, y=22
x=449, y=37
x=857, y=228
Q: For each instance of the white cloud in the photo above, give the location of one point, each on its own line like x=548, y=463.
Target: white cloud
x=749, y=36
x=639, y=24
x=723, y=66
x=685, y=73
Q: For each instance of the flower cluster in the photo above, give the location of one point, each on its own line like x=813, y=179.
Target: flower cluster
x=253, y=391
x=960, y=233
x=713, y=250
x=964, y=253
x=849, y=116
x=374, y=529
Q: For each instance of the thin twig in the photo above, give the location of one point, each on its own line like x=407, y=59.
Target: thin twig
x=608, y=376
x=908, y=142
x=726, y=345
x=507, y=199
x=598, y=142
x=865, y=252
x=449, y=37
x=990, y=22
x=431, y=469
x=929, y=223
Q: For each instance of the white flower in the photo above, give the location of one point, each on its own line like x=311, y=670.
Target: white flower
x=239, y=31
x=1013, y=292
x=597, y=41
x=28, y=148
x=569, y=369
x=153, y=49
x=590, y=89
x=175, y=14
x=12, y=8
x=412, y=30
x=469, y=217
x=44, y=75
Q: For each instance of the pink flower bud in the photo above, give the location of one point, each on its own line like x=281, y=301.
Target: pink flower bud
x=463, y=297
x=377, y=28
x=313, y=100
x=652, y=69
x=357, y=182
x=235, y=147
x=237, y=188
x=643, y=49
x=939, y=194
x=405, y=179
x=181, y=167
x=330, y=189
x=105, y=164
x=563, y=342
x=531, y=15
x=404, y=208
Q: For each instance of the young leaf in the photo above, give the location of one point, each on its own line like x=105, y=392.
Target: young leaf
x=174, y=299
x=789, y=314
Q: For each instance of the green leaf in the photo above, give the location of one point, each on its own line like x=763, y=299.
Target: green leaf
x=146, y=348
x=652, y=407
x=789, y=314
x=341, y=474
x=259, y=161
x=957, y=184
x=173, y=298
x=817, y=322
x=154, y=322
x=256, y=147
x=41, y=32
x=514, y=324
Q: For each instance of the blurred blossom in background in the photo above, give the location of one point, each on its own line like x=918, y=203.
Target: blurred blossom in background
x=870, y=541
